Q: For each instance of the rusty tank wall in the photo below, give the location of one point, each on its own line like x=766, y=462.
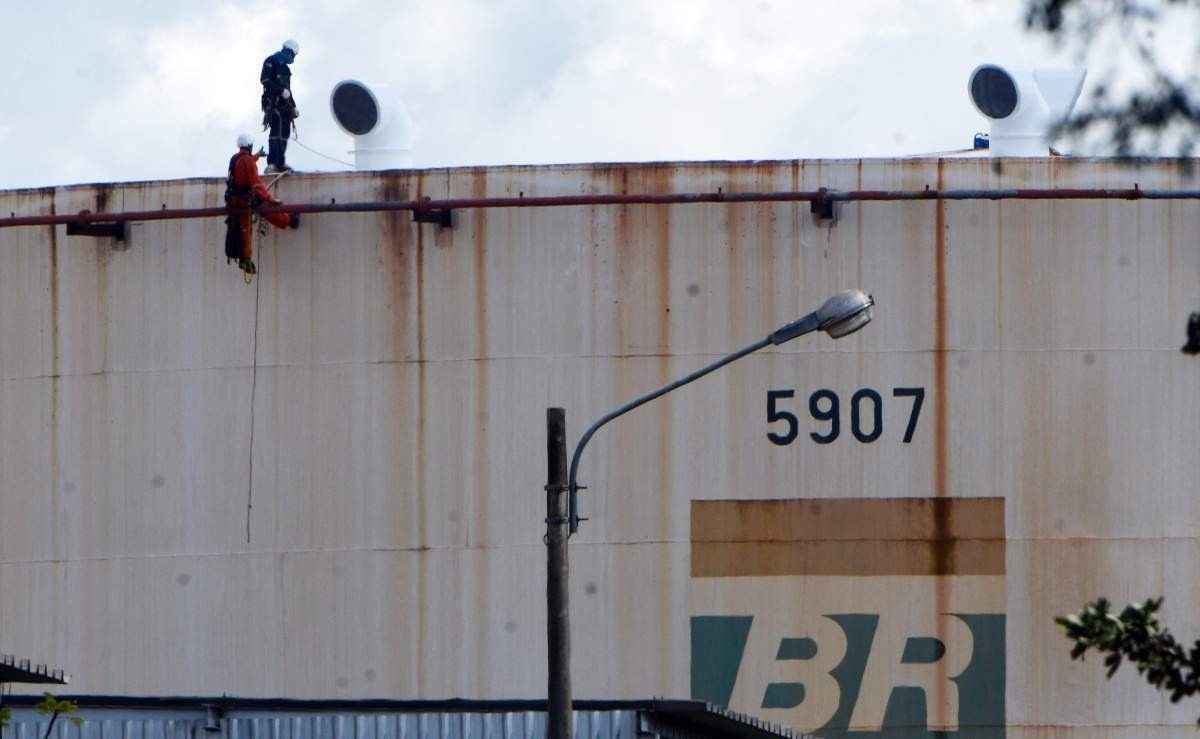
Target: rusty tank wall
x=329, y=483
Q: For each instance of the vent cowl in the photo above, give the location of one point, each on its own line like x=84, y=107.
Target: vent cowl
x=374, y=116
x=1023, y=106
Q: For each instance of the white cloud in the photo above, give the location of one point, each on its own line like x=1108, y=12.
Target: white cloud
x=190, y=88
x=139, y=90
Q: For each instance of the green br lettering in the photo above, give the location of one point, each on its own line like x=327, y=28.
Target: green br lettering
x=852, y=670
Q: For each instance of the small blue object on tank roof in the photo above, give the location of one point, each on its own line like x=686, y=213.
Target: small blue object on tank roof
x=981, y=141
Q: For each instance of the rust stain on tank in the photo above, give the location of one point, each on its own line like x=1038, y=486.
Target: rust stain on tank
x=422, y=390
x=395, y=238
x=764, y=236
x=102, y=255
x=941, y=419
x=395, y=256
x=942, y=550
x=592, y=270
x=799, y=212
x=422, y=491
x=642, y=266
x=742, y=238
x=641, y=295
x=479, y=233
x=846, y=537
x=663, y=182
x=621, y=248
x=54, y=389
x=481, y=510
x=858, y=225
x=404, y=250
x=482, y=394
x=103, y=192
x=999, y=274
x=52, y=232
x=732, y=215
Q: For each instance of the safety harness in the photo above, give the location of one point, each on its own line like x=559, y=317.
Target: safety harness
x=232, y=189
x=239, y=196
x=276, y=73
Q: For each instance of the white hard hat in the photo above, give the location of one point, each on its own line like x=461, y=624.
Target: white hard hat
x=244, y=141
x=292, y=45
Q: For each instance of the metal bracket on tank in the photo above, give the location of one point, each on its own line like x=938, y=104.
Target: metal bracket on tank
x=118, y=230
x=443, y=217
x=822, y=207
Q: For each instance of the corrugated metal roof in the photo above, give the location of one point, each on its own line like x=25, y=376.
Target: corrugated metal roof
x=223, y=718
x=13, y=670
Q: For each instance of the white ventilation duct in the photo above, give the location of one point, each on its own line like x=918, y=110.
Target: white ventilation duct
x=1023, y=106
x=374, y=116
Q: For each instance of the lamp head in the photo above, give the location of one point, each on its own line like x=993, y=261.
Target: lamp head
x=841, y=315
x=845, y=313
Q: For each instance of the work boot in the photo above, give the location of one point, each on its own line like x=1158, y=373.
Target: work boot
x=295, y=223
x=271, y=169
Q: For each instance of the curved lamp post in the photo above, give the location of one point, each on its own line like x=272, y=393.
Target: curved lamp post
x=840, y=315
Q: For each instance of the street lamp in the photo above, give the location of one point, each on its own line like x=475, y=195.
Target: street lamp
x=840, y=315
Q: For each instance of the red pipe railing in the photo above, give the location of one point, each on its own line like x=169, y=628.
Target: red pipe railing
x=550, y=201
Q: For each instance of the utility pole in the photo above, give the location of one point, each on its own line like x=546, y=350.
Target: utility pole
x=558, y=616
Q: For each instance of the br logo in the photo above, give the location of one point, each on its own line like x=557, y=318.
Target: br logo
x=856, y=674
x=852, y=617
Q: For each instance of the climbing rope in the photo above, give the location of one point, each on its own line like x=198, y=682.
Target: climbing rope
x=253, y=389
x=324, y=156
x=302, y=145
x=247, y=277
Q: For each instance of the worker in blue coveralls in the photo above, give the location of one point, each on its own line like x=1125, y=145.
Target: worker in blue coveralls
x=278, y=105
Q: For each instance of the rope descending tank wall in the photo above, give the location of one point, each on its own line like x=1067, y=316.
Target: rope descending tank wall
x=262, y=230
x=247, y=275
x=253, y=391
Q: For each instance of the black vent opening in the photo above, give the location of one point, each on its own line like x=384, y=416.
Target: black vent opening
x=994, y=92
x=355, y=108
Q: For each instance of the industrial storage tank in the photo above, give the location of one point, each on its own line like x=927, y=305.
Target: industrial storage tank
x=329, y=482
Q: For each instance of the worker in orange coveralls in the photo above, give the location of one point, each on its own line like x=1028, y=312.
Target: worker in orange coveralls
x=245, y=191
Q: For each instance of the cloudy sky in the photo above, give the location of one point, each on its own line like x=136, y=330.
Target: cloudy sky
x=127, y=90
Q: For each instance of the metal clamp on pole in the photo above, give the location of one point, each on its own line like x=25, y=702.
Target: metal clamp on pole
x=557, y=520
x=573, y=504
